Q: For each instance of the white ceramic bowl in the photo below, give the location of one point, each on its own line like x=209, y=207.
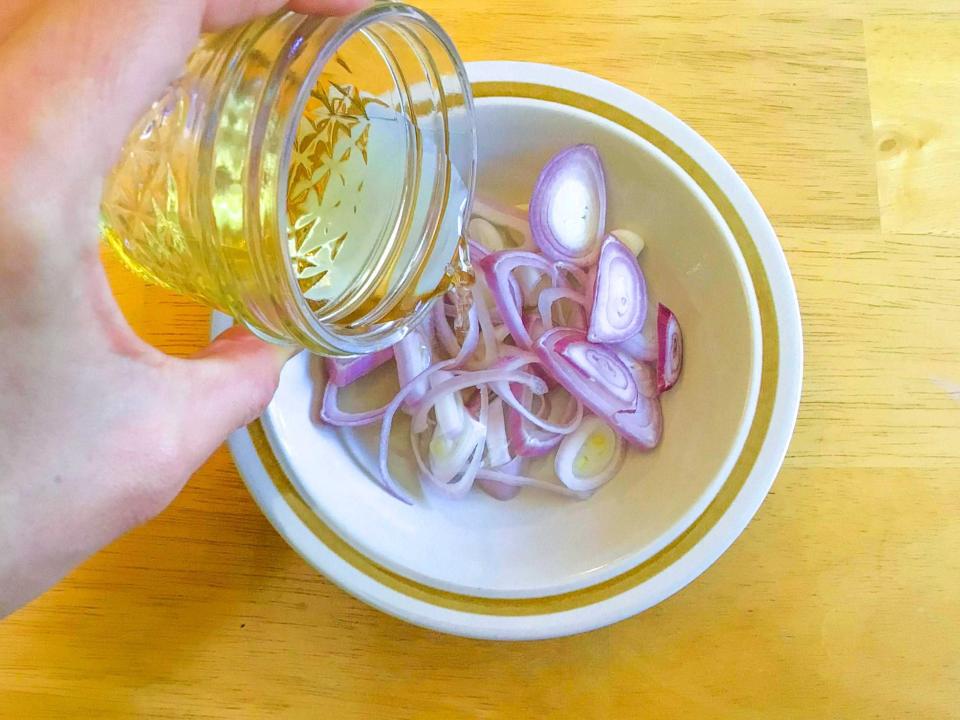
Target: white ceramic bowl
x=541, y=566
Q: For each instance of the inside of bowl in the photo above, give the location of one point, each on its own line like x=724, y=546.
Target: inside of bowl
x=539, y=544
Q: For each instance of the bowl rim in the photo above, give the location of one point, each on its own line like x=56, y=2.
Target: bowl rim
x=690, y=554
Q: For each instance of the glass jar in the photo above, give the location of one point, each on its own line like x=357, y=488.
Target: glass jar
x=308, y=176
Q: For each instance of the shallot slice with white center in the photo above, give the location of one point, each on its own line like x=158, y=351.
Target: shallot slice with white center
x=619, y=295
x=569, y=206
x=590, y=456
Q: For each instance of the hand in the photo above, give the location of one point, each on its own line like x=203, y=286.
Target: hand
x=98, y=431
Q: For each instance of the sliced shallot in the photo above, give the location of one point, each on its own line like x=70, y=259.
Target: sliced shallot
x=497, y=271
x=529, y=440
x=451, y=466
x=619, y=295
x=506, y=478
x=597, y=377
x=343, y=371
x=558, y=306
x=639, y=347
x=589, y=457
x=414, y=355
x=383, y=461
x=331, y=413
x=485, y=233
x=569, y=206
x=550, y=296
x=498, y=449
x=449, y=454
x=499, y=490
x=644, y=373
x=468, y=379
x=670, y=340
x=506, y=391
x=507, y=217
x=631, y=239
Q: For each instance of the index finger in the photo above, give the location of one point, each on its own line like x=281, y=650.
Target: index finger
x=224, y=13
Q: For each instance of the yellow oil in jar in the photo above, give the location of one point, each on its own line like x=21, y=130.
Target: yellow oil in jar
x=172, y=221
x=338, y=200
x=353, y=214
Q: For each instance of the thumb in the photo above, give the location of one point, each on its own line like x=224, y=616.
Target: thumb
x=228, y=385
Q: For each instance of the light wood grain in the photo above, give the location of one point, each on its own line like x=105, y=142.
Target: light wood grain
x=913, y=78
x=842, y=598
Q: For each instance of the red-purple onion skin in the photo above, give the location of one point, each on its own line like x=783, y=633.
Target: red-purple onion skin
x=670, y=342
x=343, y=371
x=533, y=324
x=527, y=440
x=585, y=161
x=515, y=292
x=527, y=448
x=595, y=366
x=331, y=414
x=619, y=295
x=476, y=250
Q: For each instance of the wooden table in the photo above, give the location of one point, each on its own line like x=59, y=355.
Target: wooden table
x=842, y=598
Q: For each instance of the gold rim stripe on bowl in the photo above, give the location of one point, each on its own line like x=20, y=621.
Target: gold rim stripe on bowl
x=731, y=487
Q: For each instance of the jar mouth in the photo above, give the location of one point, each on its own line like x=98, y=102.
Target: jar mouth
x=377, y=167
